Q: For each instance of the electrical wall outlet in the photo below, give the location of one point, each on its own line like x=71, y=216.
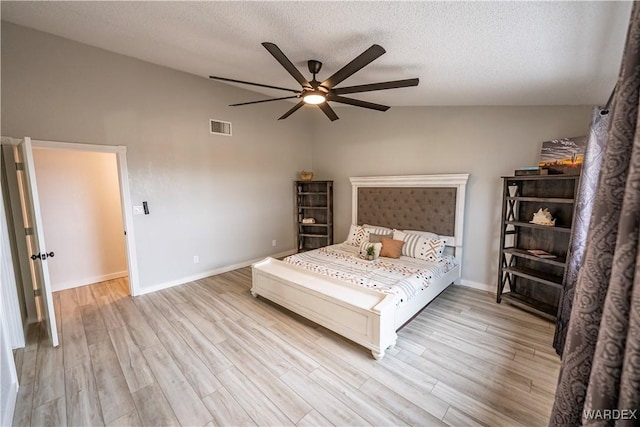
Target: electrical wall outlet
x=273, y=242
x=196, y=259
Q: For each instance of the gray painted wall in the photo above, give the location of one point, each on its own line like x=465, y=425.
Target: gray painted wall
x=221, y=198
x=225, y=199
x=487, y=142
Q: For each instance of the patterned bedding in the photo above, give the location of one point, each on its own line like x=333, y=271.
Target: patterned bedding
x=403, y=277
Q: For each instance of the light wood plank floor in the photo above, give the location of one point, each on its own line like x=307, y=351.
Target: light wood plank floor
x=207, y=353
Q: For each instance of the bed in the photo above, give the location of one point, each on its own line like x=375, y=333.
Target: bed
x=344, y=300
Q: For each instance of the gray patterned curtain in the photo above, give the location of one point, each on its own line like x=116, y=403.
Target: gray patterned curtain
x=599, y=381
x=585, y=199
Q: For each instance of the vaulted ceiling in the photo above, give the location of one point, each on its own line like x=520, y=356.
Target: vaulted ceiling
x=465, y=53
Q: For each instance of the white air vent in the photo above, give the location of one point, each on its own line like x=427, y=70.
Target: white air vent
x=219, y=127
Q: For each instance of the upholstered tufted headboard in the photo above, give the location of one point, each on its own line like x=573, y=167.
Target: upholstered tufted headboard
x=427, y=209
x=413, y=202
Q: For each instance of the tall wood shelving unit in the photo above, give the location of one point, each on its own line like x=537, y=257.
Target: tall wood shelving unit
x=314, y=199
x=536, y=284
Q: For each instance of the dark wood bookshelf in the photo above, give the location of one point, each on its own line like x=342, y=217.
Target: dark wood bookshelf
x=535, y=283
x=314, y=199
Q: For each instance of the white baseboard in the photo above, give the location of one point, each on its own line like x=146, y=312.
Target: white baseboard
x=87, y=281
x=478, y=285
x=220, y=270
x=7, y=412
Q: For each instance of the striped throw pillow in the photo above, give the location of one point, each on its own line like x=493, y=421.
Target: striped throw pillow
x=376, y=229
x=416, y=246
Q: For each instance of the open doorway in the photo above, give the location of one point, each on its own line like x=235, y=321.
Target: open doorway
x=33, y=261
x=125, y=221
x=81, y=212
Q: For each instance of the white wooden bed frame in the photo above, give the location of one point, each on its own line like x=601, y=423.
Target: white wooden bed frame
x=365, y=316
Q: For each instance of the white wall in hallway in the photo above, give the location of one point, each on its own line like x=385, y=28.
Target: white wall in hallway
x=82, y=216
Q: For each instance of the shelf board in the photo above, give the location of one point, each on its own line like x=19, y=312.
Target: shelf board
x=558, y=228
x=313, y=207
x=540, y=177
x=536, y=307
x=314, y=225
x=541, y=199
x=535, y=275
x=325, y=236
x=522, y=253
x=312, y=193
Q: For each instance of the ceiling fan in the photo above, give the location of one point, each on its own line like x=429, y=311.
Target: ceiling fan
x=320, y=93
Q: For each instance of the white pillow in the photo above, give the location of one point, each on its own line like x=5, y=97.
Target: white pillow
x=416, y=246
x=431, y=249
x=357, y=235
x=425, y=234
x=377, y=247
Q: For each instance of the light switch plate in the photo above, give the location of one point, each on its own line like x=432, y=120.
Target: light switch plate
x=138, y=210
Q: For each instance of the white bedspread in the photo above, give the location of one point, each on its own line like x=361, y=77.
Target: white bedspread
x=403, y=277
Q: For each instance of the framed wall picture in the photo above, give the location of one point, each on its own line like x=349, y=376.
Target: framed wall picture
x=563, y=156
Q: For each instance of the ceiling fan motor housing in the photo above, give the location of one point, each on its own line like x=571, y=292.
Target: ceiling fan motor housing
x=314, y=66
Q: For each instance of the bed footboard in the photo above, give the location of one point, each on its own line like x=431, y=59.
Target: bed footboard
x=362, y=315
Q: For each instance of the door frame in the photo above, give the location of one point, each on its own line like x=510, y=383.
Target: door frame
x=125, y=196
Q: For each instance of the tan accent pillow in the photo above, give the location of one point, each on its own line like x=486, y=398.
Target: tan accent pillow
x=391, y=248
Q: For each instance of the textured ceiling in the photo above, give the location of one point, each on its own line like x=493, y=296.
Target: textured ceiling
x=465, y=53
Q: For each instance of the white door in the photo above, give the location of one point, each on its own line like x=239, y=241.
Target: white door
x=38, y=254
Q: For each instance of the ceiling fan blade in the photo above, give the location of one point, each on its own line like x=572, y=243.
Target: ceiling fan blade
x=362, y=60
x=224, y=79
x=284, y=61
x=292, y=110
x=263, y=100
x=326, y=109
x=358, y=103
x=376, y=86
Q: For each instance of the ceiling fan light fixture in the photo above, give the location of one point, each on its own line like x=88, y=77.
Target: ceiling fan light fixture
x=314, y=97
